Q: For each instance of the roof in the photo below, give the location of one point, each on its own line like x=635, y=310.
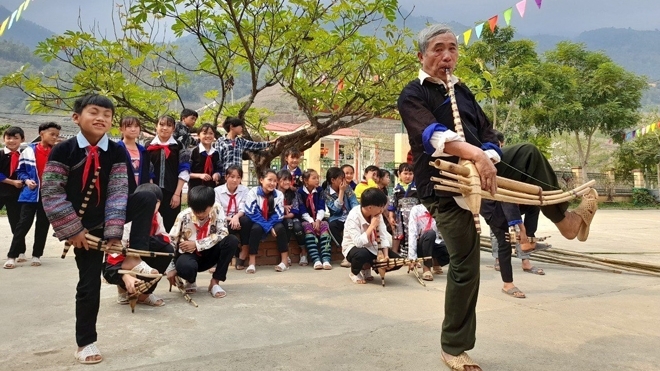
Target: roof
x=285, y=127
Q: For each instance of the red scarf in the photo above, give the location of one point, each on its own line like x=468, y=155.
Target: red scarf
x=203, y=230
x=264, y=207
x=154, y=225
x=232, y=201
x=208, y=165
x=158, y=147
x=41, y=157
x=92, y=159
x=429, y=220
x=13, y=165
x=310, y=205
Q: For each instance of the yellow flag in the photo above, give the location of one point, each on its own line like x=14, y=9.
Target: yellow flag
x=20, y=10
x=507, y=15
x=466, y=36
x=3, y=26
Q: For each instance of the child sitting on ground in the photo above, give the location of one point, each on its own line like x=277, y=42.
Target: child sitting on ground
x=363, y=229
x=317, y=230
x=231, y=197
x=264, y=205
x=403, y=198
x=159, y=241
x=424, y=240
x=202, y=240
x=292, y=212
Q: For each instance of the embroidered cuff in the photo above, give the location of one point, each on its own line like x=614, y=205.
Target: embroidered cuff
x=493, y=151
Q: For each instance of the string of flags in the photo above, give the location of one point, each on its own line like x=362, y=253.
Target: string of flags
x=14, y=17
x=643, y=131
x=492, y=21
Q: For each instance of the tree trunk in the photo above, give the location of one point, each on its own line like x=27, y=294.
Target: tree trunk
x=495, y=114
x=579, y=147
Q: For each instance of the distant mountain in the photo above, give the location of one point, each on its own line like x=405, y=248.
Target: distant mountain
x=23, y=32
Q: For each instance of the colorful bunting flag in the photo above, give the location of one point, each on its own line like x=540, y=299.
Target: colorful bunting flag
x=466, y=36
x=538, y=2
x=478, y=29
x=507, y=16
x=521, y=7
x=3, y=26
x=14, y=17
x=492, y=21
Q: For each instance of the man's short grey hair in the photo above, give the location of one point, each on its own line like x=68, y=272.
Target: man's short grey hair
x=430, y=32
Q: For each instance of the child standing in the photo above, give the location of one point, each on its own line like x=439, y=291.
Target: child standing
x=403, y=198
x=204, y=159
x=140, y=170
x=292, y=157
x=424, y=240
x=291, y=218
x=363, y=228
x=317, y=230
x=231, y=146
x=10, y=185
x=171, y=168
x=265, y=207
x=203, y=241
x=68, y=173
x=370, y=181
x=349, y=174
x=30, y=170
x=182, y=129
x=231, y=197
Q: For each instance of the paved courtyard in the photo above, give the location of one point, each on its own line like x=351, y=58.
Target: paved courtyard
x=573, y=318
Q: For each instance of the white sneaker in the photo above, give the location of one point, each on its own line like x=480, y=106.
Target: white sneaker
x=327, y=266
x=318, y=265
x=303, y=260
x=21, y=258
x=281, y=267
x=35, y=261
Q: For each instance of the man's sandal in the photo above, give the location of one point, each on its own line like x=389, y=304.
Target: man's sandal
x=437, y=269
x=586, y=210
x=217, y=292
x=427, y=276
x=459, y=362
x=367, y=275
x=89, y=351
x=21, y=258
x=240, y=264
x=251, y=269
x=514, y=292
x=144, y=268
x=152, y=301
x=190, y=288
x=357, y=278
x=36, y=262
x=10, y=264
x=535, y=270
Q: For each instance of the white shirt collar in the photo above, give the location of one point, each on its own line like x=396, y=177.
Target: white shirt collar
x=363, y=221
x=224, y=190
x=203, y=149
x=423, y=76
x=156, y=141
x=7, y=150
x=307, y=191
x=84, y=143
x=332, y=191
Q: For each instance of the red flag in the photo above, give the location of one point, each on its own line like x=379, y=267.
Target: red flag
x=493, y=22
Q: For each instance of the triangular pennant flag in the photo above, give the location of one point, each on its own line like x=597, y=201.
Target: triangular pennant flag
x=493, y=22
x=538, y=2
x=458, y=37
x=11, y=19
x=3, y=26
x=521, y=8
x=25, y=4
x=466, y=35
x=19, y=11
x=478, y=29
x=507, y=16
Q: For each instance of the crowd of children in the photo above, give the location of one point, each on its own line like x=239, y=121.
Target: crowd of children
x=130, y=195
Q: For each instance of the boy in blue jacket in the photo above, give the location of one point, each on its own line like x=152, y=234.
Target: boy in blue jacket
x=31, y=166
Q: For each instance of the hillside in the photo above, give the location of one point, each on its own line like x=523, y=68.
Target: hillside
x=23, y=32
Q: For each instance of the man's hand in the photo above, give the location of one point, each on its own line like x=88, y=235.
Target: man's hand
x=130, y=282
x=171, y=276
x=175, y=202
x=487, y=173
x=216, y=177
x=272, y=231
x=205, y=177
x=16, y=183
x=31, y=184
x=79, y=240
x=188, y=246
x=114, y=242
x=272, y=141
x=523, y=234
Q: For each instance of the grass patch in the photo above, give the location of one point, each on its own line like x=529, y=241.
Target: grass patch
x=625, y=206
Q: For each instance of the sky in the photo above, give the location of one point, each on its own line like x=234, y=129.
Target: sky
x=556, y=17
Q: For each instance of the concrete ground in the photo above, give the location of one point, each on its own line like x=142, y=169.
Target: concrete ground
x=573, y=318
